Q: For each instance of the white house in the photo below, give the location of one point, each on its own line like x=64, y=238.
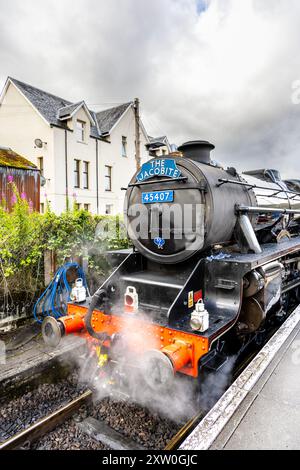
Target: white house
x=84, y=156
x=159, y=146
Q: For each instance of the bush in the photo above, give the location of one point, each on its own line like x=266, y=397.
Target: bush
x=26, y=235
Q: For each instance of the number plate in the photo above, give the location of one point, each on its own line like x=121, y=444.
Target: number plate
x=157, y=196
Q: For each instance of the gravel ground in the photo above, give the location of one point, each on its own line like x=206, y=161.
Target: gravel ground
x=134, y=421
x=131, y=420
x=68, y=437
x=21, y=412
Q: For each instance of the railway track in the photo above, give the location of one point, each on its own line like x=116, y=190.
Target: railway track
x=184, y=432
x=99, y=429
x=96, y=429
x=101, y=425
x=45, y=425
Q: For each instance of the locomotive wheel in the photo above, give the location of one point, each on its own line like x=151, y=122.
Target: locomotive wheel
x=157, y=370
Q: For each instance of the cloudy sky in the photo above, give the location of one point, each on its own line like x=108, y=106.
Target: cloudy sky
x=221, y=70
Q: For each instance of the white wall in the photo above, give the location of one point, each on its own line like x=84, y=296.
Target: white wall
x=20, y=125
x=76, y=150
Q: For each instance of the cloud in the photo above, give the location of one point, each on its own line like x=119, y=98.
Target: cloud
x=214, y=69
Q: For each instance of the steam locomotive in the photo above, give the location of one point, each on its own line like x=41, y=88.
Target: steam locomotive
x=215, y=263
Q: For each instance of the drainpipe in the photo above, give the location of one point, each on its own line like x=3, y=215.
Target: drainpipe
x=97, y=175
x=66, y=168
x=136, y=108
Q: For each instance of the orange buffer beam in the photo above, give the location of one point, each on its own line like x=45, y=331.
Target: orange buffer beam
x=73, y=323
x=180, y=353
x=183, y=349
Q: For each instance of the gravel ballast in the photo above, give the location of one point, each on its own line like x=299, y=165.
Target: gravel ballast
x=136, y=422
x=146, y=428
x=20, y=413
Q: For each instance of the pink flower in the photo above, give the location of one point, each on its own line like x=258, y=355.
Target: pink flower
x=74, y=195
x=23, y=196
x=10, y=178
x=13, y=199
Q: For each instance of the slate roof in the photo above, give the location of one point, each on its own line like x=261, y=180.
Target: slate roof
x=109, y=117
x=54, y=108
x=68, y=110
x=157, y=142
x=162, y=139
x=46, y=103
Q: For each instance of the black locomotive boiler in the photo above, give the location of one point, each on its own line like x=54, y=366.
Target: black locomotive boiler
x=216, y=262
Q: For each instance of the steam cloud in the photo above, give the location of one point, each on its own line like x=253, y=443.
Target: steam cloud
x=126, y=379
x=215, y=384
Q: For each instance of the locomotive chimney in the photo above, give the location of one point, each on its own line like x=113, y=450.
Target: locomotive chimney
x=197, y=150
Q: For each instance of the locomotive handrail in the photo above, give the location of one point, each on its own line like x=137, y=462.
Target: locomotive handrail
x=199, y=186
x=278, y=197
x=183, y=179
x=262, y=210
x=255, y=186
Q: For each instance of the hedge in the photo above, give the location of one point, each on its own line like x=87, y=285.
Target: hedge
x=25, y=236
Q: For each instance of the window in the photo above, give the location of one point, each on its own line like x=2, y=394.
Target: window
x=85, y=175
x=86, y=207
x=42, y=208
x=124, y=146
x=164, y=152
x=108, y=209
x=108, y=178
x=77, y=206
x=41, y=165
x=76, y=174
x=80, y=126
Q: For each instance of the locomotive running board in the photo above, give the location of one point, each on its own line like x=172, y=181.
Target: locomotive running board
x=221, y=278
x=224, y=274
x=218, y=279
x=270, y=252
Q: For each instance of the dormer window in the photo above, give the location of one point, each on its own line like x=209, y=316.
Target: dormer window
x=80, y=127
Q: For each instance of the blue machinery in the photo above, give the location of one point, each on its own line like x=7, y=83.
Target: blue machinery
x=53, y=301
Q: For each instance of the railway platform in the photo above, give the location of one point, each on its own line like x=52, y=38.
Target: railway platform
x=26, y=356
x=261, y=410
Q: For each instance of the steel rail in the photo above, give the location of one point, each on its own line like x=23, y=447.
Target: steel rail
x=46, y=424
x=184, y=432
